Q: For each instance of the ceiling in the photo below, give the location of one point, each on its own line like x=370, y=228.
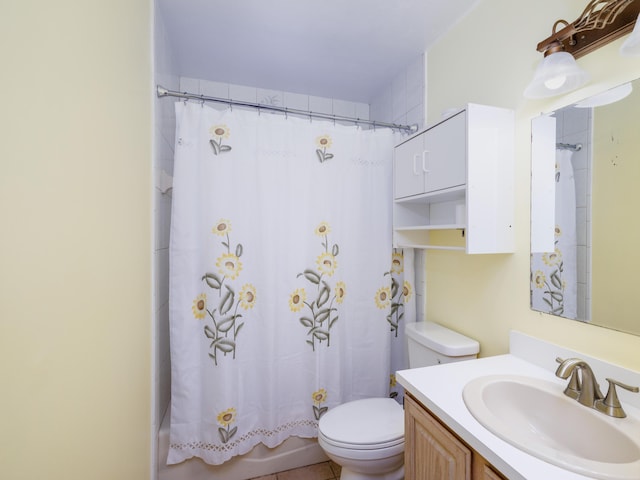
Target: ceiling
x=345, y=49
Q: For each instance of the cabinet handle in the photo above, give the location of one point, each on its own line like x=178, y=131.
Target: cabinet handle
x=424, y=161
x=415, y=164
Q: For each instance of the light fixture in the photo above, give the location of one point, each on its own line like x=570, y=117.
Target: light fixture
x=556, y=74
x=601, y=22
x=631, y=46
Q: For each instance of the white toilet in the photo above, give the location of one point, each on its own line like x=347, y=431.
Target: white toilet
x=366, y=437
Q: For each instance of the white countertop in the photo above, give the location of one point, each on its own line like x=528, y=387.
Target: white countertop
x=439, y=388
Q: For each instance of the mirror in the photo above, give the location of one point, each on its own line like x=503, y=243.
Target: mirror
x=585, y=234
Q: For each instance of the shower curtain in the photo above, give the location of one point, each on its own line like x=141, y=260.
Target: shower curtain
x=554, y=282
x=286, y=296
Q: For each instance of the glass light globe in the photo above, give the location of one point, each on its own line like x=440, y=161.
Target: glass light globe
x=555, y=82
x=556, y=74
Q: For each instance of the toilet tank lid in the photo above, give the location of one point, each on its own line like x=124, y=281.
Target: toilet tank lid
x=441, y=339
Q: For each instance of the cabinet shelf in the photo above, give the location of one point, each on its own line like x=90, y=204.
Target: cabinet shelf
x=433, y=237
x=453, y=226
x=434, y=247
x=445, y=195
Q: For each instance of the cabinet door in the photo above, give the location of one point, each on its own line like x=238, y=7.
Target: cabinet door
x=407, y=168
x=431, y=451
x=483, y=470
x=445, y=157
x=489, y=473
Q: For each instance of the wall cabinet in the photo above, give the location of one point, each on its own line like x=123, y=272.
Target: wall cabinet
x=432, y=161
x=432, y=451
x=457, y=175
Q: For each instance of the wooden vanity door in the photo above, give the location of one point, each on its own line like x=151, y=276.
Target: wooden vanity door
x=431, y=451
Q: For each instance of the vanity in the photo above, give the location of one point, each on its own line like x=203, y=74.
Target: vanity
x=445, y=440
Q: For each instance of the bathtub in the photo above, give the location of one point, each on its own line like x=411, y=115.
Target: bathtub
x=292, y=453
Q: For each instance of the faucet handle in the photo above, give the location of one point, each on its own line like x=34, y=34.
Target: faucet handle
x=611, y=404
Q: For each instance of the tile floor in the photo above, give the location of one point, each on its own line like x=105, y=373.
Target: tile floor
x=319, y=471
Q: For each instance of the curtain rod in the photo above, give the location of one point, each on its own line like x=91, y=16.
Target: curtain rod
x=163, y=92
x=569, y=146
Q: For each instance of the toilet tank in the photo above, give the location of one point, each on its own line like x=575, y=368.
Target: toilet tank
x=430, y=344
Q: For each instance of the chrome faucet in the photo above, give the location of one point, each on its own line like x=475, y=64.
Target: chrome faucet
x=586, y=387
x=586, y=390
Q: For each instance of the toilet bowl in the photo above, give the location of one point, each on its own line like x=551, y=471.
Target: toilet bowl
x=366, y=437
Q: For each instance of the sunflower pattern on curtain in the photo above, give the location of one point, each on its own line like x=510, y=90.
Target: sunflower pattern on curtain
x=554, y=277
x=401, y=294
x=280, y=244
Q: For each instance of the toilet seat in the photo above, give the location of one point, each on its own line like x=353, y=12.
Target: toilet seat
x=368, y=424
x=366, y=446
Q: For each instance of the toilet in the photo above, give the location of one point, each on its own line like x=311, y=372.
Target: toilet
x=366, y=437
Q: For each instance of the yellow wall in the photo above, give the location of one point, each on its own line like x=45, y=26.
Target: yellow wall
x=616, y=170
x=489, y=57
x=75, y=239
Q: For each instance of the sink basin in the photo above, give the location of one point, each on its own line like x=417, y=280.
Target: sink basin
x=535, y=416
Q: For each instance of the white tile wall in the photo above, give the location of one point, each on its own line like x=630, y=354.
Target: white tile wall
x=344, y=108
x=399, y=98
x=381, y=106
x=277, y=98
x=403, y=102
x=240, y=92
x=164, y=128
x=421, y=284
x=270, y=97
x=296, y=101
x=212, y=89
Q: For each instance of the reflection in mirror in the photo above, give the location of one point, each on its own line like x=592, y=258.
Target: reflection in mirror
x=585, y=235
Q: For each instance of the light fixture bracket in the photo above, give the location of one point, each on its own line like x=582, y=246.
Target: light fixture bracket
x=601, y=22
